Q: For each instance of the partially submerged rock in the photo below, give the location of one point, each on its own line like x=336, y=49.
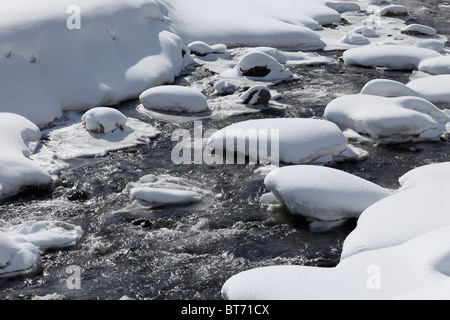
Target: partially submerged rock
x=257, y=95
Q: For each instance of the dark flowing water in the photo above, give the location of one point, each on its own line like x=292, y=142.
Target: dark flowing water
x=188, y=252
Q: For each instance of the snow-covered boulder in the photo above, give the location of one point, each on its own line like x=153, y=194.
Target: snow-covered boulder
x=22, y=246
x=174, y=98
x=273, y=52
x=417, y=269
x=69, y=139
x=433, y=88
x=289, y=140
x=429, y=174
x=394, y=57
x=436, y=66
x=398, y=250
x=418, y=30
x=431, y=44
x=388, y=119
x=387, y=88
x=103, y=120
x=343, y=6
x=224, y=87
x=259, y=65
x=47, y=235
x=323, y=193
x=392, y=11
x=200, y=48
x=19, y=137
x=257, y=95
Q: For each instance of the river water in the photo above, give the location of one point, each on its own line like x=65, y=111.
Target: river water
x=188, y=252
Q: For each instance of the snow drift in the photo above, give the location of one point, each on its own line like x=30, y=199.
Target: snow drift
x=120, y=49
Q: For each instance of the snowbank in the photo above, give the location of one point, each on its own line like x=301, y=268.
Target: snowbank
x=119, y=50
x=322, y=193
x=250, y=23
x=204, y=51
x=292, y=140
x=47, y=235
x=19, y=139
x=388, y=119
x=395, y=57
x=174, y=98
x=399, y=250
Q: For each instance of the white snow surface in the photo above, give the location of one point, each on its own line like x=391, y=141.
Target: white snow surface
x=174, y=98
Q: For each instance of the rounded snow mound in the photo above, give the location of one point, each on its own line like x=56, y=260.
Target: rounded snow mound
x=174, y=98
x=398, y=119
x=394, y=57
x=103, y=120
x=288, y=140
x=323, y=193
